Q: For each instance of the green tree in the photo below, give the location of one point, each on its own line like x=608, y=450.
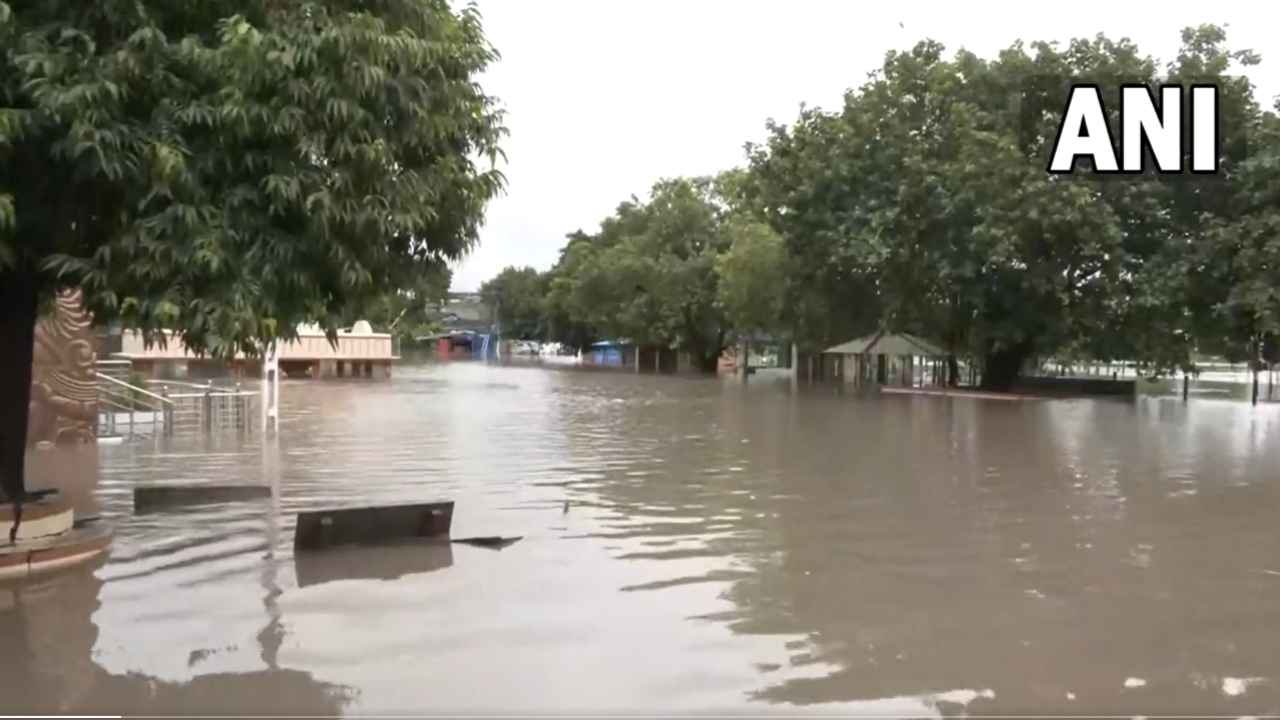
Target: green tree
x=925, y=200
x=564, y=323
x=1240, y=257
x=1168, y=306
x=516, y=296
x=690, y=267
x=751, y=278
x=832, y=292
x=649, y=274
x=229, y=170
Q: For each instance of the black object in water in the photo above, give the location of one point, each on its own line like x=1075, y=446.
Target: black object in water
x=494, y=542
x=387, y=524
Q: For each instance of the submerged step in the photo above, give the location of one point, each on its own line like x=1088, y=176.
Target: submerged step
x=155, y=498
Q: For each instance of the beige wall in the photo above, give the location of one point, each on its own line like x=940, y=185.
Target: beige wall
x=308, y=346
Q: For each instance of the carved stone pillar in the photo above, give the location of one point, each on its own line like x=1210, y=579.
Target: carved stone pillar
x=64, y=412
x=64, y=390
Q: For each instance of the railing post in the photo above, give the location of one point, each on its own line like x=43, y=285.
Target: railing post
x=111, y=412
x=166, y=411
x=206, y=414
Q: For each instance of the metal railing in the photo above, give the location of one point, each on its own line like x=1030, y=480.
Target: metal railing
x=207, y=408
x=129, y=411
x=118, y=369
x=173, y=408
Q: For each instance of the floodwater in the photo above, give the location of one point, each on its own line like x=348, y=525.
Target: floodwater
x=724, y=549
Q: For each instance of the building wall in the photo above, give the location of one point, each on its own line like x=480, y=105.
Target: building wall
x=64, y=391
x=308, y=346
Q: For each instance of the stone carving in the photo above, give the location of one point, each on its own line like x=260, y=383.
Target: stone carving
x=64, y=389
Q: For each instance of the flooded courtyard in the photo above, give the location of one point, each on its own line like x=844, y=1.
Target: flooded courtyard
x=689, y=546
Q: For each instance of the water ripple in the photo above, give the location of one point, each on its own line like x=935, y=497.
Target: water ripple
x=694, y=546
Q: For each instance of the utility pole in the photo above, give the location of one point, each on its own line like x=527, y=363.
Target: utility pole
x=497, y=330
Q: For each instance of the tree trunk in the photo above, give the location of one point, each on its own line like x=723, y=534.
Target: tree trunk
x=1255, y=365
x=708, y=363
x=19, y=309
x=1001, y=368
x=953, y=371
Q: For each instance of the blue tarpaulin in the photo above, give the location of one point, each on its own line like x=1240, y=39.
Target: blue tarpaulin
x=608, y=352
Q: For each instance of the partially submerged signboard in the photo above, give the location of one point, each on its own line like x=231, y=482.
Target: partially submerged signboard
x=320, y=530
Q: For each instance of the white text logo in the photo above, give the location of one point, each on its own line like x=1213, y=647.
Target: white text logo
x=1150, y=119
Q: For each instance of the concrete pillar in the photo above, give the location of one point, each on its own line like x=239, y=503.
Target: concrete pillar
x=270, y=397
x=795, y=365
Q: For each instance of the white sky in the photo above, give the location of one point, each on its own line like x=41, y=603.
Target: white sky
x=607, y=96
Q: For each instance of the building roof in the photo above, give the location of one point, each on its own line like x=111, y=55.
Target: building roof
x=883, y=343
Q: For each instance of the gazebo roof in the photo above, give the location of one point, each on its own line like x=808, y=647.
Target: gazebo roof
x=883, y=343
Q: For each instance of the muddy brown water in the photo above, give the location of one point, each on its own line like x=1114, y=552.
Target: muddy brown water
x=724, y=550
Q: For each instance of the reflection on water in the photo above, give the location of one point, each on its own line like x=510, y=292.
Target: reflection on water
x=722, y=547
x=370, y=563
x=49, y=635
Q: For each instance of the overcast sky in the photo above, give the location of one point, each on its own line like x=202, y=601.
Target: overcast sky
x=607, y=96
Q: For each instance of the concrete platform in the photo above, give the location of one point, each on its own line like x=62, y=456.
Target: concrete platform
x=77, y=545
x=46, y=517
x=158, y=498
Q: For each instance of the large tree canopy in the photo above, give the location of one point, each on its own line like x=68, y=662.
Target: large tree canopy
x=228, y=170
x=655, y=272
x=928, y=191
x=923, y=204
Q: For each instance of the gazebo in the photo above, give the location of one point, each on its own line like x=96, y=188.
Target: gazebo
x=883, y=347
